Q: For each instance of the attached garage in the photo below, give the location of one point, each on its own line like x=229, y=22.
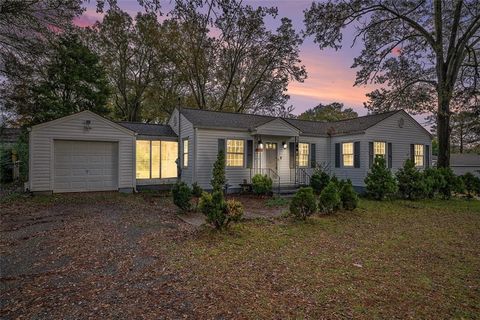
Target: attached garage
x=81, y=152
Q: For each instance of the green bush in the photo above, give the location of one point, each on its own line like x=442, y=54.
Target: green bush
x=471, y=184
x=380, y=183
x=329, y=200
x=197, y=193
x=6, y=165
x=449, y=183
x=411, y=184
x=318, y=181
x=303, y=204
x=434, y=181
x=182, y=195
x=218, y=173
x=348, y=196
x=262, y=184
x=234, y=210
x=220, y=213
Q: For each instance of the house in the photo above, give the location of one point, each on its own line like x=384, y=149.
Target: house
x=461, y=163
x=85, y=152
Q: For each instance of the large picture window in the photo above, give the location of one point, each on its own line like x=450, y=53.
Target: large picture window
x=347, y=154
x=379, y=149
x=156, y=159
x=302, y=155
x=418, y=155
x=235, y=153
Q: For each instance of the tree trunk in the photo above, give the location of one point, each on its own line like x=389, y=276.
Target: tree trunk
x=443, y=131
x=461, y=138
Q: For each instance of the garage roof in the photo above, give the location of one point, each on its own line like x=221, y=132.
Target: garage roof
x=149, y=129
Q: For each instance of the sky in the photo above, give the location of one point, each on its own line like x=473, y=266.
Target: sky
x=330, y=77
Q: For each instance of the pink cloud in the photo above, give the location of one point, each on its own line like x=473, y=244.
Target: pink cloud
x=88, y=18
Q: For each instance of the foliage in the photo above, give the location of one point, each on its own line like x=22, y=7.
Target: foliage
x=319, y=180
x=233, y=210
x=403, y=42
x=411, y=184
x=303, y=204
x=331, y=112
x=197, y=193
x=218, y=173
x=471, y=184
x=348, y=196
x=330, y=199
x=380, y=183
x=434, y=181
x=449, y=183
x=262, y=184
x=218, y=212
x=6, y=165
x=276, y=202
x=182, y=195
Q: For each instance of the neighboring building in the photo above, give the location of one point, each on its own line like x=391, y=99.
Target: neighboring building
x=462, y=163
x=85, y=152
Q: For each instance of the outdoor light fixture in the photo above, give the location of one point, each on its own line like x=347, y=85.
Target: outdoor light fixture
x=284, y=144
x=260, y=144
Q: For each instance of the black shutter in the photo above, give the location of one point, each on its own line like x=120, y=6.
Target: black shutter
x=370, y=154
x=221, y=145
x=390, y=159
x=412, y=152
x=291, y=150
x=356, y=154
x=313, y=155
x=337, y=155
x=250, y=154
x=427, y=156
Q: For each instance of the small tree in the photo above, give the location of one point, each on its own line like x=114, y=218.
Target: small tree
x=182, y=195
x=197, y=193
x=262, y=184
x=348, y=196
x=218, y=173
x=379, y=181
x=303, y=204
x=319, y=180
x=434, y=181
x=329, y=199
x=411, y=184
x=471, y=184
x=449, y=183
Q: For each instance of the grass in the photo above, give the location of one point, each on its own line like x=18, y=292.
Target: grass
x=394, y=259
x=277, y=202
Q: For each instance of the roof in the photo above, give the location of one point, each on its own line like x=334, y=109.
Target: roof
x=148, y=129
x=465, y=159
x=216, y=119
x=10, y=135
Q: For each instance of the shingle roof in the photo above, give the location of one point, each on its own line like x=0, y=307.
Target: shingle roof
x=215, y=119
x=465, y=159
x=148, y=129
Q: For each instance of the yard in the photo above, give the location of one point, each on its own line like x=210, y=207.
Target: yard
x=129, y=256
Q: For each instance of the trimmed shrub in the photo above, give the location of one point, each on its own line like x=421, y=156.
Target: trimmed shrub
x=471, y=184
x=330, y=200
x=213, y=206
x=380, y=183
x=348, y=196
x=182, y=195
x=449, y=183
x=433, y=180
x=262, y=184
x=218, y=172
x=303, y=204
x=411, y=184
x=318, y=181
x=197, y=193
x=234, y=211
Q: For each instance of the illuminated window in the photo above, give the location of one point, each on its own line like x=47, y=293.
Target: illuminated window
x=302, y=155
x=156, y=159
x=419, y=155
x=347, y=153
x=235, y=152
x=169, y=157
x=379, y=149
x=185, y=153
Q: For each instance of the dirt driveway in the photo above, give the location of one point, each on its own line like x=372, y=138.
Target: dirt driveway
x=90, y=256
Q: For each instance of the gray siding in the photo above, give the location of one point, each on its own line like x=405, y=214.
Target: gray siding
x=277, y=127
x=356, y=175
x=186, y=131
x=42, y=139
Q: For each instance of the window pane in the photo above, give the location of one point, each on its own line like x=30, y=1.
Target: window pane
x=143, y=159
x=348, y=160
x=185, y=153
x=155, y=159
x=234, y=160
x=302, y=157
x=419, y=155
x=347, y=154
x=379, y=149
x=169, y=155
x=235, y=153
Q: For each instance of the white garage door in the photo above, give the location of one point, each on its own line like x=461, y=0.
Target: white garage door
x=85, y=166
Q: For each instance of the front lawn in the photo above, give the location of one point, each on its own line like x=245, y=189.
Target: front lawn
x=130, y=256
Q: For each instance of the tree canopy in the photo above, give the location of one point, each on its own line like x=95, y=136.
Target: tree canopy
x=330, y=112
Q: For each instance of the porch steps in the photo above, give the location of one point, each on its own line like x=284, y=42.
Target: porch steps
x=286, y=189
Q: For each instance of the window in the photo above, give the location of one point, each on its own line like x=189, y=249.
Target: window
x=302, y=156
x=418, y=155
x=235, y=151
x=379, y=149
x=347, y=153
x=156, y=159
x=185, y=153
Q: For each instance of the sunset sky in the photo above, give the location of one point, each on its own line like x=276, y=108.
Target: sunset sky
x=330, y=77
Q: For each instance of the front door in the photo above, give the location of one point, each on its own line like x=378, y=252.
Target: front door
x=271, y=155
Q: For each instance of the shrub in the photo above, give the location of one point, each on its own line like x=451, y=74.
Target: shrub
x=411, y=184
x=197, y=193
x=220, y=213
x=380, y=183
x=449, y=183
x=303, y=204
x=434, y=181
x=348, y=196
x=318, y=181
x=471, y=184
x=234, y=211
x=261, y=184
x=330, y=200
x=218, y=173
x=182, y=194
